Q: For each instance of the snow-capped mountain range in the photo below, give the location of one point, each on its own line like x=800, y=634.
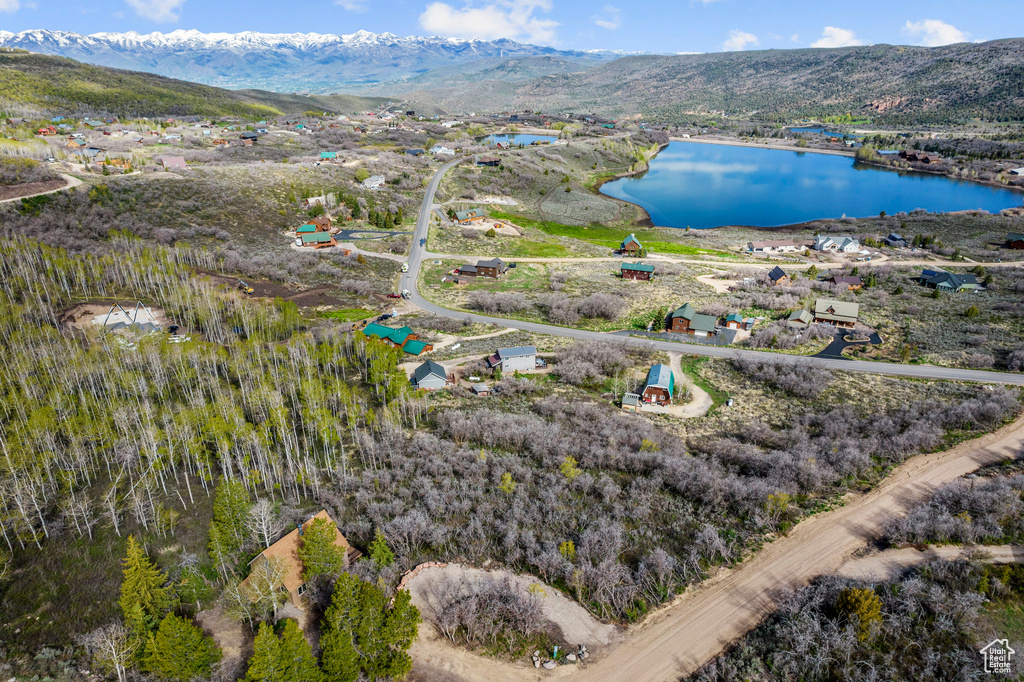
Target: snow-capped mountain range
x=304, y=62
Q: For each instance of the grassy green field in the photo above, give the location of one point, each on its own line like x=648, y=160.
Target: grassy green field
x=610, y=237
x=348, y=314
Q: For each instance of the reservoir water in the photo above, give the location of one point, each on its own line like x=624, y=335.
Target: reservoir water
x=706, y=185
x=516, y=138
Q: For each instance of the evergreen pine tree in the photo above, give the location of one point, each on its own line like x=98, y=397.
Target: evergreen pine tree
x=143, y=595
x=180, y=651
x=380, y=552
x=339, y=660
x=319, y=551
x=265, y=664
x=296, y=657
x=227, y=529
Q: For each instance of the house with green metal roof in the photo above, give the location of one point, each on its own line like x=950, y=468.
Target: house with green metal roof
x=660, y=386
x=317, y=240
x=306, y=229
x=328, y=156
x=469, y=215
x=631, y=246
x=403, y=337
x=640, y=271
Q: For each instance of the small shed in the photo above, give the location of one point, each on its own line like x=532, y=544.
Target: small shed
x=799, y=318
x=480, y=389
x=778, y=277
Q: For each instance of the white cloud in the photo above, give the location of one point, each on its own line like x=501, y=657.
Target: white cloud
x=837, y=37
x=352, y=5
x=157, y=10
x=933, y=32
x=609, y=18
x=497, y=19
x=9, y=5
x=739, y=40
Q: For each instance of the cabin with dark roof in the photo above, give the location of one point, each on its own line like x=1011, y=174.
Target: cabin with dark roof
x=778, y=277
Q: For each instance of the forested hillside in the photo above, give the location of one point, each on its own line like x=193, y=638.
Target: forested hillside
x=894, y=83
x=31, y=83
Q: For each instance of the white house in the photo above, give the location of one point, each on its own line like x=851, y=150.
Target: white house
x=518, y=358
x=374, y=182
x=442, y=151
x=838, y=244
x=774, y=246
x=451, y=124
x=1017, y=171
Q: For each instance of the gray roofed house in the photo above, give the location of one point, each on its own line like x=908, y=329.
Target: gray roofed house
x=515, y=359
x=659, y=385
x=947, y=281
x=839, y=313
x=429, y=376
x=778, y=276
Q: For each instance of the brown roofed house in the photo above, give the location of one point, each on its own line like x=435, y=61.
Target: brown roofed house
x=287, y=550
x=849, y=281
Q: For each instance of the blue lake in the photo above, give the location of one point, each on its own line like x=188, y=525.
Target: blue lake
x=516, y=138
x=705, y=185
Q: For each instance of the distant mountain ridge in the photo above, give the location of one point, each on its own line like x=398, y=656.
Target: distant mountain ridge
x=900, y=84
x=285, y=62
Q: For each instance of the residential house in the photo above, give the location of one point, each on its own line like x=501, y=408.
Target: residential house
x=174, y=163
x=947, y=281
x=469, y=216
x=403, y=337
x=374, y=182
x=310, y=202
x=317, y=240
x=837, y=244
x=415, y=152
x=734, y=321
x=837, y=313
x=308, y=228
x=778, y=277
x=429, y=376
x=775, y=246
x=451, y=124
x=47, y=131
x=895, y=240
x=799, y=318
x=328, y=156
x=631, y=246
x=515, y=359
x=686, y=320
x=92, y=152
x=220, y=142
x=440, y=150
x=1014, y=240
x=1016, y=171
x=659, y=386
x=322, y=223
x=849, y=281
x=286, y=551
x=640, y=271
x=493, y=268
x=490, y=161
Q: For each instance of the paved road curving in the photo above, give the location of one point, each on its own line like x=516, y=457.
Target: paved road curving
x=417, y=254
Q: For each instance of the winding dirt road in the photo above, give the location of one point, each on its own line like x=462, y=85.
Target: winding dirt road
x=70, y=179
x=676, y=640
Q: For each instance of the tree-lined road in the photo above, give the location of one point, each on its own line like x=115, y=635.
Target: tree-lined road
x=417, y=253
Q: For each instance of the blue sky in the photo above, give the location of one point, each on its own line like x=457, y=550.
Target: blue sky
x=638, y=25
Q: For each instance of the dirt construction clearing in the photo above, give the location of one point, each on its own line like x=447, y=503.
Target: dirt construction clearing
x=702, y=622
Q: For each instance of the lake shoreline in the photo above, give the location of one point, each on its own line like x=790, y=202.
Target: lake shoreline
x=803, y=224
x=727, y=142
